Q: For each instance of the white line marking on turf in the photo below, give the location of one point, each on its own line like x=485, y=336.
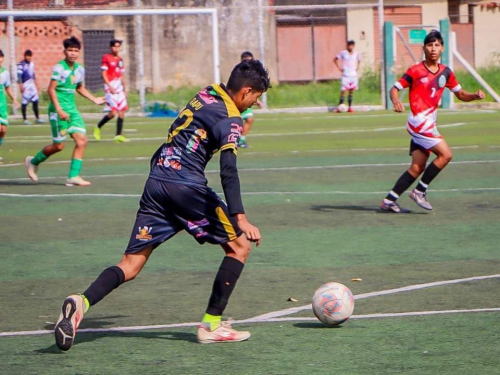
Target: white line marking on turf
x=293, y=310
x=113, y=195
x=273, y=169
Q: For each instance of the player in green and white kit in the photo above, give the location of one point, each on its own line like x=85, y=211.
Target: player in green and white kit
x=247, y=115
x=4, y=108
x=67, y=78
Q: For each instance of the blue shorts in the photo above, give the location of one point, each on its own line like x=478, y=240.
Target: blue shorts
x=166, y=208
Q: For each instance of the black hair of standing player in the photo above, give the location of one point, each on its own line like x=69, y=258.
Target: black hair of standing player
x=246, y=54
x=351, y=42
x=28, y=53
x=249, y=73
x=434, y=35
x=113, y=41
x=72, y=42
x=1, y=53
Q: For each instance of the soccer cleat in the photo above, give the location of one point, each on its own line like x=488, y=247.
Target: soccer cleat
x=420, y=198
x=70, y=318
x=97, y=134
x=336, y=110
x=77, y=181
x=1, y=159
x=243, y=144
x=393, y=207
x=31, y=169
x=40, y=121
x=223, y=333
x=351, y=110
x=27, y=122
x=121, y=139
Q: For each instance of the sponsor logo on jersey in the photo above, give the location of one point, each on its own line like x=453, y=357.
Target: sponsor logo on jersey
x=424, y=80
x=144, y=234
x=442, y=81
x=206, y=97
x=199, y=223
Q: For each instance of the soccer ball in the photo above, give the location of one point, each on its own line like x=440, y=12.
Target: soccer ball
x=342, y=107
x=333, y=303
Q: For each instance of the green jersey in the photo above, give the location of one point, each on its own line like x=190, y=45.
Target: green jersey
x=4, y=83
x=67, y=81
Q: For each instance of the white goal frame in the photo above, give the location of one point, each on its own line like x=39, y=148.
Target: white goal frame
x=12, y=14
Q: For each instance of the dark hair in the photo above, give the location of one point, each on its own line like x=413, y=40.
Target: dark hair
x=1, y=53
x=28, y=53
x=246, y=54
x=433, y=36
x=349, y=42
x=249, y=73
x=72, y=42
x=114, y=41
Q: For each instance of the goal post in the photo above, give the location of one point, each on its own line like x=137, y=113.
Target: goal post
x=54, y=13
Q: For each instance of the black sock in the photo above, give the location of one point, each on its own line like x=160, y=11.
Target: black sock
x=229, y=272
x=104, y=120
x=349, y=100
x=430, y=174
x=35, y=109
x=23, y=110
x=111, y=278
x=341, y=100
x=403, y=183
x=119, y=126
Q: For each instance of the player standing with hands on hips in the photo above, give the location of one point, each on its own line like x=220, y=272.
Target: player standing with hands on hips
x=350, y=65
x=427, y=81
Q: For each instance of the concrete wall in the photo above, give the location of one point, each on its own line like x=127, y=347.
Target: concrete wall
x=433, y=11
x=486, y=36
x=360, y=28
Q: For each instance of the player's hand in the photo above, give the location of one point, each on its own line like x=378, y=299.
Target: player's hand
x=112, y=91
x=99, y=101
x=399, y=107
x=252, y=232
x=16, y=104
x=63, y=115
x=480, y=95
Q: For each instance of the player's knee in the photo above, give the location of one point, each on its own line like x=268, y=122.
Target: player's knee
x=82, y=142
x=59, y=147
x=243, y=251
x=447, y=157
x=417, y=169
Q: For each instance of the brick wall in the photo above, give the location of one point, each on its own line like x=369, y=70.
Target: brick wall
x=45, y=39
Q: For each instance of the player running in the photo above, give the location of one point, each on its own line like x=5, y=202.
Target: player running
x=67, y=78
x=427, y=81
x=28, y=86
x=350, y=65
x=112, y=68
x=247, y=115
x=176, y=197
x=5, y=83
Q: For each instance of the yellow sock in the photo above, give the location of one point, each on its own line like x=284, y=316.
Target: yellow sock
x=214, y=320
x=87, y=303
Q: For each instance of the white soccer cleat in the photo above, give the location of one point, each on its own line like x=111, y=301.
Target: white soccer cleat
x=223, y=333
x=31, y=169
x=420, y=198
x=70, y=318
x=77, y=181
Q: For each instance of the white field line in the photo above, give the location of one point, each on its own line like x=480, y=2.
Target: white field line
x=294, y=310
x=140, y=158
x=112, y=195
x=272, y=169
x=278, y=315
x=339, y=131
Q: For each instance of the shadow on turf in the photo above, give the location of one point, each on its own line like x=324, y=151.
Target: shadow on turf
x=92, y=336
x=377, y=210
x=315, y=325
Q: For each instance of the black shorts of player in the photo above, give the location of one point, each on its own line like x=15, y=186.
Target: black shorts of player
x=415, y=147
x=166, y=208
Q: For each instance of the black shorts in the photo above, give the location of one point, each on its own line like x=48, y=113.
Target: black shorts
x=166, y=208
x=414, y=147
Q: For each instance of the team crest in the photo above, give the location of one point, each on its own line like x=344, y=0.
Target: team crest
x=442, y=81
x=144, y=234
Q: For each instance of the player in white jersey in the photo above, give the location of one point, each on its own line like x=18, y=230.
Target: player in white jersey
x=351, y=62
x=28, y=86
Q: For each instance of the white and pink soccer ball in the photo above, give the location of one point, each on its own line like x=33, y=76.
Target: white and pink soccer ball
x=333, y=303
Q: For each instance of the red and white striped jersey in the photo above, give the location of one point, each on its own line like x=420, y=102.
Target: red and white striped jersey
x=426, y=90
x=114, y=67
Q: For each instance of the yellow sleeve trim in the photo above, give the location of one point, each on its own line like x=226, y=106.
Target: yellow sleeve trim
x=230, y=146
x=232, y=111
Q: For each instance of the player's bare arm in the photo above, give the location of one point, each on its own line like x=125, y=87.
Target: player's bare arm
x=88, y=95
x=104, y=74
x=398, y=106
x=469, y=97
x=9, y=92
x=336, y=61
x=53, y=97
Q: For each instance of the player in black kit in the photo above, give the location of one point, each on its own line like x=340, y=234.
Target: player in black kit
x=176, y=197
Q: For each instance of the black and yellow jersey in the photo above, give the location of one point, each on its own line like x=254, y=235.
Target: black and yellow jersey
x=210, y=122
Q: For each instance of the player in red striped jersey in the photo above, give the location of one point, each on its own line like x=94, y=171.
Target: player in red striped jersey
x=427, y=81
